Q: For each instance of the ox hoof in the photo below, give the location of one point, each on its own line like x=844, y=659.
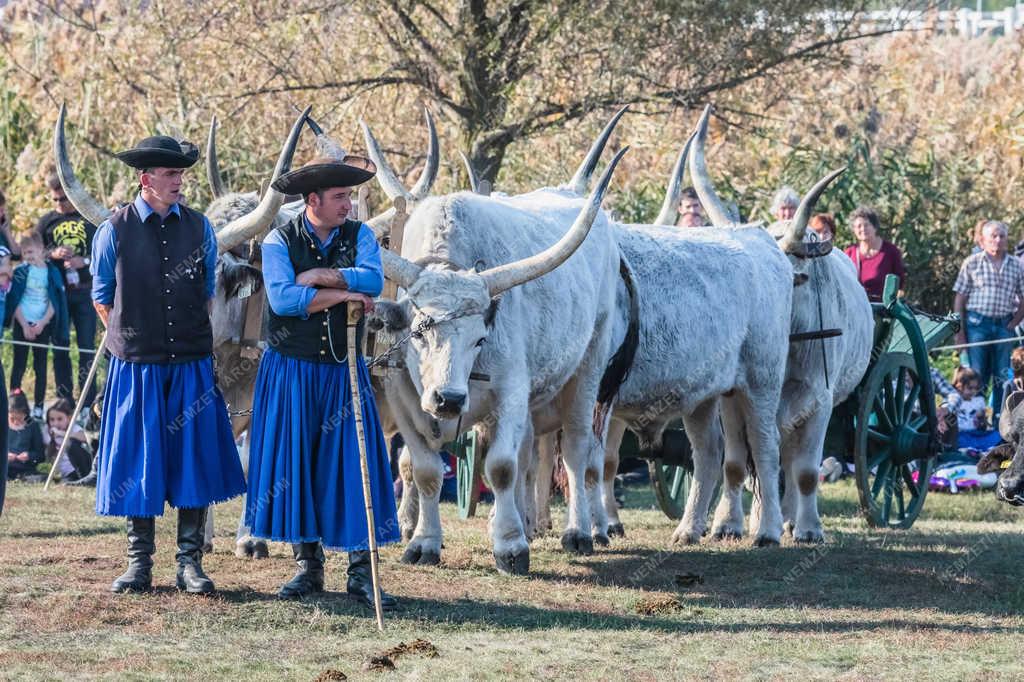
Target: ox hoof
x=727, y=534
x=421, y=557
x=244, y=549
x=260, y=550
x=513, y=563
x=602, y=540
x=810, y=537
x=616, y=530
x=575, y=542
x=765, y=541
x=687, y=538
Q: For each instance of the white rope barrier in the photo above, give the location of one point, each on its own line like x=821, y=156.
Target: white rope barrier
x=994, y=342
x=44, y=345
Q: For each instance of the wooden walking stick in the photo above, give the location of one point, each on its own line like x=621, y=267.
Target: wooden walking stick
x=78, y=408
x=355, y=313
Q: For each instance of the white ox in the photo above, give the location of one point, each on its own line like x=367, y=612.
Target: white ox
x=487, y=290
x=827, y=282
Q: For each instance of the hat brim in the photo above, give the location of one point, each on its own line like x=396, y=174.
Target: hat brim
x=158, y=158
x=318, y=176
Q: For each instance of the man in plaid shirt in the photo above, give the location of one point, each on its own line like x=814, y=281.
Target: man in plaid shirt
x=990, y=301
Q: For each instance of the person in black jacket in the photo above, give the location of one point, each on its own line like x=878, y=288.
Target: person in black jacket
x=24, y=438
x=67, y=237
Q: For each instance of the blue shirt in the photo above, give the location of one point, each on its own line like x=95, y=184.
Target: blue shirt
x=104, y=255
x=37, y=293
x=287, y=298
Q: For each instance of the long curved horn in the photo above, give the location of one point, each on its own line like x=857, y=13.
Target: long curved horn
x=212, y=168
x=386, y=177
x=670, y=207
x=85, y=203
x=581, y=180
x=504, y=277
x=716, y=211
x=425, y=182
x=260, y=218
x=793, y=241
x=474, y=179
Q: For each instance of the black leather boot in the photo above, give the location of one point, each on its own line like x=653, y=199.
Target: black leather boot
x=360, y=581
x=310, y=578
x=191, y=525
x=141, y=545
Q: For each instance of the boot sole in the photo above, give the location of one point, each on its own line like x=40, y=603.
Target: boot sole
x=132, y=589
x=184, y=588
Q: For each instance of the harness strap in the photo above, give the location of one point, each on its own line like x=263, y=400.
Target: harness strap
x=252, y=328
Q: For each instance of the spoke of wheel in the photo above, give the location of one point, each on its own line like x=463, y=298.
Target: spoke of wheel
x=901, y=392
x=908, y=477
x=908, y=407
x=880, y=476
x=878, y=436
x=883, y=417
x=677, y=482
x=917, y=422
x=879, y=457
x=889, y=399
x=897, y=487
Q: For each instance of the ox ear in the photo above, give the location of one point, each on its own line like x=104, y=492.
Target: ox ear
x=236, y=273
x=391, y=316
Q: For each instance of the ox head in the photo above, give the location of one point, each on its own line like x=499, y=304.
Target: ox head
x=791, y=235
x=448, y=311
x=1010, y=487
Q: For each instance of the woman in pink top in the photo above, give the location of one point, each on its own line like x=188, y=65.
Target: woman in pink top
x=874, y=257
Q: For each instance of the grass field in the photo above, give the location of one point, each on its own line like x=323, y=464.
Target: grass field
x=942, y=601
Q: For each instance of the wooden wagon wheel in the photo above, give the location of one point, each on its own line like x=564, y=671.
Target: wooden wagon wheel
x=671, y=487
x=469, y=472
x=891, y=444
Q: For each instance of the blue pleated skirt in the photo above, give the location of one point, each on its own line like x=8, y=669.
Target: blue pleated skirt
x=305, y=482
x=165, y=437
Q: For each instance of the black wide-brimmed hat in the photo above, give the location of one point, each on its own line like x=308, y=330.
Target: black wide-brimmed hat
x=160, y=151
x=324, y=172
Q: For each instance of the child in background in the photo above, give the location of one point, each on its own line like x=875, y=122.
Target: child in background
x=24, y=438
x=77, y=460
x=38, y=307
x=971, y=414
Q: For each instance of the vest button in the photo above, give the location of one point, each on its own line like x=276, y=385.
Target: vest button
x=325, y=323
x=173, y=355
x=164, y=243
x=323, y=338
x=165, y=257
x=167, y=291
x=168, y=307
x=323, y=352
x=170, y=324
x=172, y=340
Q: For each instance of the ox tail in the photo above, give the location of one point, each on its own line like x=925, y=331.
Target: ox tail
x=618, y=367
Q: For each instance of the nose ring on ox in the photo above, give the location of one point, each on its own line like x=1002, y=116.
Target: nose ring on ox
x=449, y=401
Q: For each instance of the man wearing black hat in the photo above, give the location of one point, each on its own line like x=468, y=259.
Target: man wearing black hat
x=304, y=473
x=165, y=434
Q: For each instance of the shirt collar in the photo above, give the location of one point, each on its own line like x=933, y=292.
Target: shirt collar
x=312, y=233
x=145, y=210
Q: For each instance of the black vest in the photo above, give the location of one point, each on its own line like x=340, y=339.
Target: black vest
x=159, y=313
x=322, y=337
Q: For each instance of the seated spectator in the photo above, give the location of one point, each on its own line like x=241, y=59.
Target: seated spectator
x=823, y=225
x=77, y=460
x=691, y=214
x=36, y=308
x=24, y=438
x=1016, y=383
x=6, y=240
x=971, y=412
x=6, y=272
x=874, y=257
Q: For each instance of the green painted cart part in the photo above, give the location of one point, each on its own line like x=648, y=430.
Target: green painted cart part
x=469, y=472
x=893, y=449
